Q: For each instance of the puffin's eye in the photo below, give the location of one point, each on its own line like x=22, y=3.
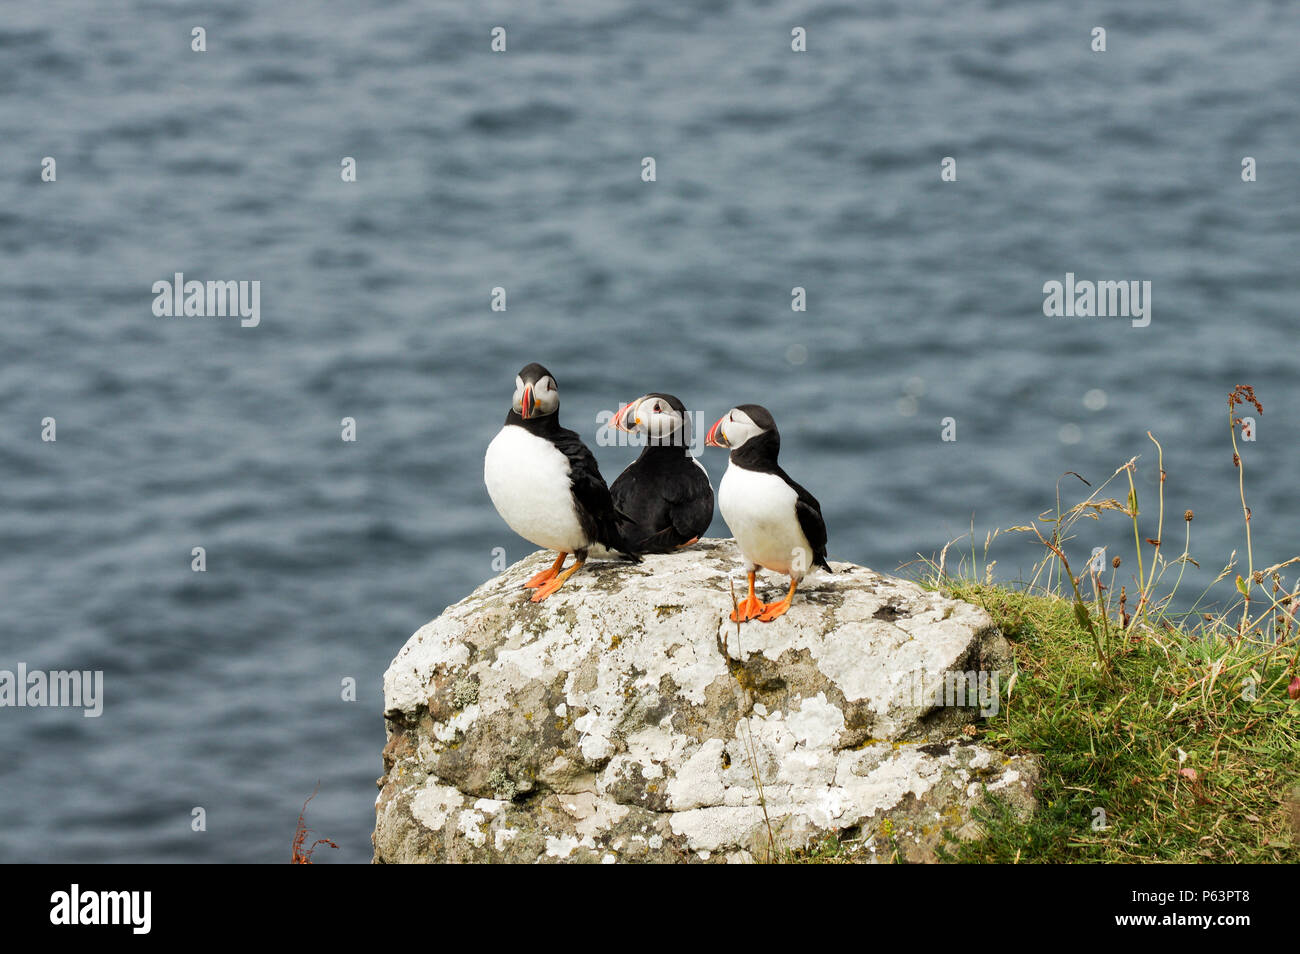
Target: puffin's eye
x=657, y=407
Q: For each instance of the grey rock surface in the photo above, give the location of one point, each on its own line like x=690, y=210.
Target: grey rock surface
x=624, y=719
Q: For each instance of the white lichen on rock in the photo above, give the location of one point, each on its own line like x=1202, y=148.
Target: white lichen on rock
x=623, y=720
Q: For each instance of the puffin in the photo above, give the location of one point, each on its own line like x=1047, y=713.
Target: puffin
x=665, y=494
x=545, y=482
x=776, y=522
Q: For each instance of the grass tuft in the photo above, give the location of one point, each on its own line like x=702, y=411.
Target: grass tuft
x=1166, y=735
x=1163, y=757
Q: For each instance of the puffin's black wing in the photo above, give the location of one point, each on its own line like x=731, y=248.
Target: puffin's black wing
x=595, y=507
x=809, y=512
x=665, y=500
x=693, y=510
x=643, y=517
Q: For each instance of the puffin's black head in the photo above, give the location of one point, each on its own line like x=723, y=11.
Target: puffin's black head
x=536, y=393
x=661, y=417
x=742, y=424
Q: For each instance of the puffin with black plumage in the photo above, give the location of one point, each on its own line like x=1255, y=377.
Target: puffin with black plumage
x=545, y=482
x=776, y=522
x=664, y=495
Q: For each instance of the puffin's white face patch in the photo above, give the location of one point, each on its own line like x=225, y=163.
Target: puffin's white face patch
x=546, y=396
x=660, y=421
x=738, y=427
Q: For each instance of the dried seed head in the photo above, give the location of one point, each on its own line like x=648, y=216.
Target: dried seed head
x=1115, y=563
x=1188, y=515
x=1258, y=576
x=1244, y=394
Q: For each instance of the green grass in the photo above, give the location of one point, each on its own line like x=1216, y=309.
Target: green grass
x=1111, y=740
x=1165, y=735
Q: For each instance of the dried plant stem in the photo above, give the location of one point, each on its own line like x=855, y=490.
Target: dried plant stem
x=746, y=734
x=1145, y=596
x=1245, y=512
x=300, y=855
x=1183, y=560
x=1137, y=537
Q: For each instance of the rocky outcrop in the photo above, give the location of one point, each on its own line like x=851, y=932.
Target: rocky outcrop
x=626, y=719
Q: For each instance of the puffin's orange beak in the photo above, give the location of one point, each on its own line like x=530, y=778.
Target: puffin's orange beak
x=620, y=420
x=527, y=404
x=716, y=438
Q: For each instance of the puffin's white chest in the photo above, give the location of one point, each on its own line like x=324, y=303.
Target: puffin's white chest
x=527, y=478
x=759, y=510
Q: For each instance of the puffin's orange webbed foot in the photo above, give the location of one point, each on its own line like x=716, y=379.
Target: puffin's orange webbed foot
x=747, y=609
x=546, y=591
x=689, y=543
x=545, y=576
x=538, y=579
x=772, y=610
x=556, y=583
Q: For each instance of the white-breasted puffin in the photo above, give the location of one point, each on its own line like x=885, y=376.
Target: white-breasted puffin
x=665, y=493
x=545, y=482
x=777, y=523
